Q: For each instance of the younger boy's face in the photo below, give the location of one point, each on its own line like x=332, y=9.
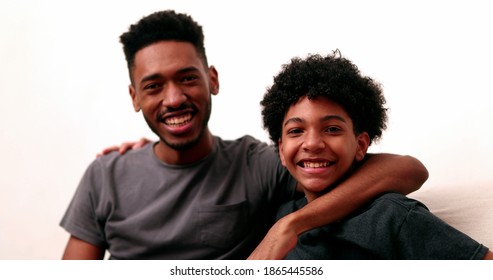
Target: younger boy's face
x=318, y=145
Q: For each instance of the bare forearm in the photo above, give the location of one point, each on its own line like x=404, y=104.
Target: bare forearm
x=78, y=249
x=379, y=174
x=488, y=256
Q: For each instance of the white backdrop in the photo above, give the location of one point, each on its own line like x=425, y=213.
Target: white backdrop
x=64, y=84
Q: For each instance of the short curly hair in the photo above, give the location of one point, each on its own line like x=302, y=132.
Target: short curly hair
x=332, y=77
x=162, y=26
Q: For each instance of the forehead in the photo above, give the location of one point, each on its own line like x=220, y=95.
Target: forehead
x=306, y=107
x=165, y=56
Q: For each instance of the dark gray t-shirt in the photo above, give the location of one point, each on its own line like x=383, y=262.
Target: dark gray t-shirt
x=138, y=207
x=392, y=227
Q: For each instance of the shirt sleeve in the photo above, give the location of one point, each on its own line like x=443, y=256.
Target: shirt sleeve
x=425, y=236
x=272, y=174
x=405, y=229
x=80, y=218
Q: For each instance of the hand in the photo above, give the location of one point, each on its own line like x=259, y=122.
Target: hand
x=278, y=242
x=124, y=147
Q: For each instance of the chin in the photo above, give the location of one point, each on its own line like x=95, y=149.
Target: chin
x=181, y=144
x=318, y=187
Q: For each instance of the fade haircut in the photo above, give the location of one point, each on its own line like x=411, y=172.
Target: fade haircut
x=332, y=77
x=162, y=26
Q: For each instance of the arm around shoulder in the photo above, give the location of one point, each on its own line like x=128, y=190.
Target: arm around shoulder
x=391, y=173
x=78, y=249
x=379, y=174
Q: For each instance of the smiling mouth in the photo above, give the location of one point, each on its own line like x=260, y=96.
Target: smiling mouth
x=314, y=164
x=178, y=120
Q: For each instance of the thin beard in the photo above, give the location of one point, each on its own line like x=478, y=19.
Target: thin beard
x=183, y=146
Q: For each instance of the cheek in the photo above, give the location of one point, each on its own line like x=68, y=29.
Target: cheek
x=281, y=153
x=345, y=148
x=150, y=103
x=288, y=153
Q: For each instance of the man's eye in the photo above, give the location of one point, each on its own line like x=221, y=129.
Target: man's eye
x=151, y=86
x=188, y=79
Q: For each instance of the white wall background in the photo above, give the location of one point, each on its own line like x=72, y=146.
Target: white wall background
x=63, y=87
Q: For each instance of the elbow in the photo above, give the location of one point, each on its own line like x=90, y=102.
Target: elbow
x=417, y=172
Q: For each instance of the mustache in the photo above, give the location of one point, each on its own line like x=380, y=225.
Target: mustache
x=169, y=110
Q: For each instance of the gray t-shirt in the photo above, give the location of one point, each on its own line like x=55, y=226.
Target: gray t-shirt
x=138, y=207
x=391, y=227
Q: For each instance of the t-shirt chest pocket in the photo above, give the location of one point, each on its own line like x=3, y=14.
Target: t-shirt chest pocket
x=223, y=226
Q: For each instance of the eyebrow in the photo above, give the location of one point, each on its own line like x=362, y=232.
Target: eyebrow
x=157, y=75
x=337, y=117
x=322, y=119
x=150, y=78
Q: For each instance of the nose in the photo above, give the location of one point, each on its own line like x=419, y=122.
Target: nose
x=173, y=96
x=313, y=142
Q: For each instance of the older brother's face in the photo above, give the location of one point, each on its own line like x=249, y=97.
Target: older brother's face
x=318, y=145
x=172, y=87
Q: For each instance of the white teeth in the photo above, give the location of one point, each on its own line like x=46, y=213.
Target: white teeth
x=315, y=164
x=181, y=120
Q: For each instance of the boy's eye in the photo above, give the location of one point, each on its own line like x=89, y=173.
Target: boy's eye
x=333, y=129
x=294, y=131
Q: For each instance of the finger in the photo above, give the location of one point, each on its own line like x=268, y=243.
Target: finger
x=141, y=143
x=125, y=147
x=108, y=150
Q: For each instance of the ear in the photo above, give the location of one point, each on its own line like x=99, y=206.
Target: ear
x=133, y=95
x=281, y=154
x=362, y=142
x=213, y=80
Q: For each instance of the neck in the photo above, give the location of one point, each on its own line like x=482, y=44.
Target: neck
x=311, y=196
x=187, y=156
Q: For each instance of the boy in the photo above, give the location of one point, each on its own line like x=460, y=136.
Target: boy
x=323, y=115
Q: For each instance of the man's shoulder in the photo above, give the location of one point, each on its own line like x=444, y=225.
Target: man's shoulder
x=244, y=143
x=252, y=150
x=240, y=140
x=133, y=155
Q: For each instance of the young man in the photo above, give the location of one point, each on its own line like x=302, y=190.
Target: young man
x=192, y=195
x=323, y=115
